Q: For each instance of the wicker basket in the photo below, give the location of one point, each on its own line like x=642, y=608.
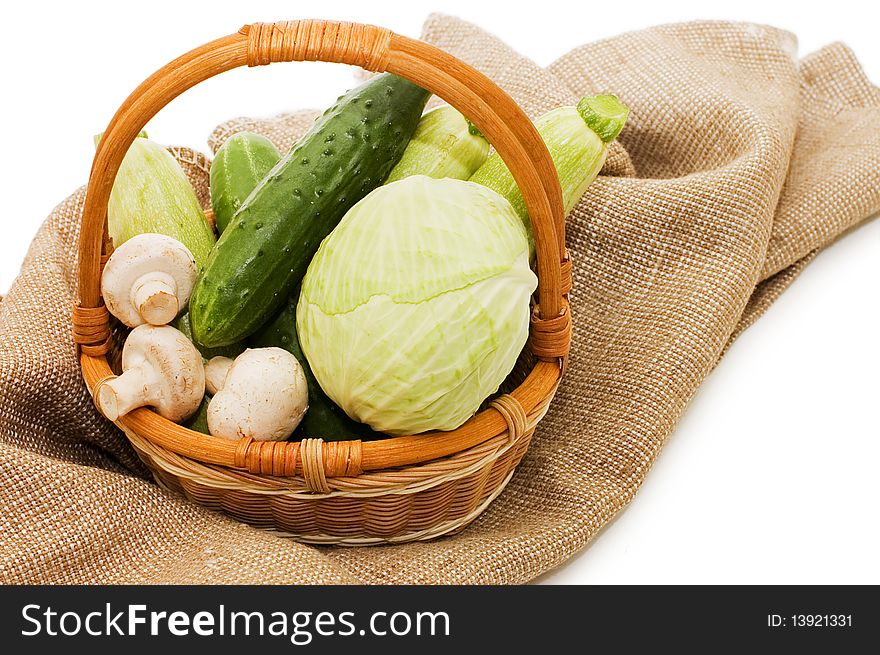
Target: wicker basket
x=350, y=492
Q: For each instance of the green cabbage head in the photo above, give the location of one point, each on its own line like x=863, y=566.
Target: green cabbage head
x=415, y=308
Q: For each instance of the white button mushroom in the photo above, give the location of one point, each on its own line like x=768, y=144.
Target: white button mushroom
x=148, y=279
x=162, y=369
x=264, y=396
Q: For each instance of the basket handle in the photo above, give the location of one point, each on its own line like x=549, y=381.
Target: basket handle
x=375, y=49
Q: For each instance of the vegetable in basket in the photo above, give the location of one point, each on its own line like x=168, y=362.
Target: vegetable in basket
x=324, y=418
x=216, y=370
x=199, y=421
x=262, y=394
x=151, y=194
x=232, y=350
x=577, y=138
x=277, y=388
x=239, y=165
x=445, y=144
x=162, y=369
x=264, y=252
x=415, y=308
x=148, y=279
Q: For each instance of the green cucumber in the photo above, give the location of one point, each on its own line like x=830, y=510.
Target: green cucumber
x=199, y=420
x=182, y=323
x=264, y=252
x=445, y=144
x=238, y=166
x=577, y=138
x=324, y=418
x=152, y=194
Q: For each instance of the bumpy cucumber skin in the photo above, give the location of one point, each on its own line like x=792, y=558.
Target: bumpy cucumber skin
x=182, y=323
x=265, y=250
x=444, y=145
x=237, y=168
x=324, y=418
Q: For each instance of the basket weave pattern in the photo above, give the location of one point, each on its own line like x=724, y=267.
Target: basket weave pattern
x=406, y=504
x=349, y=492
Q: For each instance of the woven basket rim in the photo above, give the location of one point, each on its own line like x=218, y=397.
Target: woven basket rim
x=401, y=480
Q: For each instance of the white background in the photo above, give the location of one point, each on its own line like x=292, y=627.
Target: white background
x=771, y=476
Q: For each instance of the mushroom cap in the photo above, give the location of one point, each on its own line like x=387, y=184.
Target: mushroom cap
x=264, y=397
x=176, y=373
x=148, y=258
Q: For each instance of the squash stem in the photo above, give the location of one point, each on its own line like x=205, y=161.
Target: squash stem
x=603, y=114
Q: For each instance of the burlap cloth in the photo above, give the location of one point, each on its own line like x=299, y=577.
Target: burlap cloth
x=742, y=163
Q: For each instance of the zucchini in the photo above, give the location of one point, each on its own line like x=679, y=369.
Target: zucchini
x=445, y=144
x=238, y=166
x=264, y=252
x=152, y=194
x=324, y=418
x=577, y=138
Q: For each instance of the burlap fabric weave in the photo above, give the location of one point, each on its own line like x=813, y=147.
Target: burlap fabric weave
x=742, y=163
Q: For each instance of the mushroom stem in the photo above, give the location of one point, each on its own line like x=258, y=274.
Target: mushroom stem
x=135, y=388
x=155, y=296
x=215, y=373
